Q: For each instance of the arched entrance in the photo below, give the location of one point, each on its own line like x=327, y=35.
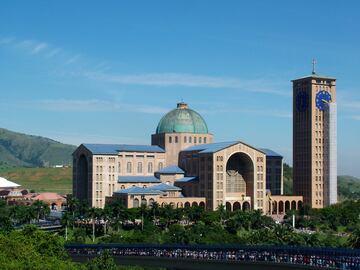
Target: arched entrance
x=136, y=203
x=236, y=206
x=246, y=206
x=82, y=181
x=228, y=206
x=202, y=205
x=287, y=206
x=151, y=201
x=53, y=206
x=275, y=210
x=179, y=205
x=299, y=204
x=240, y=177
x=281, y=207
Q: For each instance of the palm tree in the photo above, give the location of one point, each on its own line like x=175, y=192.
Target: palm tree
x=65, y=220
x=222, y=213
x=22, y=214
x=354, y=239
x=155, y=210
x=194, y=213
x=168, y=212
x=72, y=206
x=40, y=209
x=142, y=212
x=117, y=210
x=92, y=213
x=107, y=213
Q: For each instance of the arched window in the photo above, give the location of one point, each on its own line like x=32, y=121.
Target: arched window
x=185, y=139
x=170, y=139
x=122, y=187
x=176, y=139
x=150, y=167
x=194, y=139
x=136, y=203
x=119, y=167
x=160, y=166
x=190, y=139
x=151, y=201
x=204, y=139
x=128, y=167
x=199, y=139
x=139, y=167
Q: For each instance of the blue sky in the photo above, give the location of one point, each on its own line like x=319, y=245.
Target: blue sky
x=91, y=71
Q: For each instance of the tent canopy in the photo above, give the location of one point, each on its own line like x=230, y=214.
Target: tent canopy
x=4, y=183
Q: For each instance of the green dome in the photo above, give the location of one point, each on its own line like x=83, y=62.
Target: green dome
x=182, y=119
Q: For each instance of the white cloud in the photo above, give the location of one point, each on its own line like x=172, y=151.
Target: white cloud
x=81, y=137
x=6, y=40
x=268, y=113
x=93, y=105
x=150, y=79
x=186, y=80
x=34, y=47
x=351, y=104
x=53, y=52
x=27, y=43
x=72, y=59
x=39, y=47
x=96, y=105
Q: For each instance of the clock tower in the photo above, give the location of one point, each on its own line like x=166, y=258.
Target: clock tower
x=315, y=140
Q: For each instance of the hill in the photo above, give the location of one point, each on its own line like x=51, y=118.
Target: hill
x=22, y=150
x=348, y=186
x=41, y=179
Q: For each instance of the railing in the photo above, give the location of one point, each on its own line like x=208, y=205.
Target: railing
x=330, y=258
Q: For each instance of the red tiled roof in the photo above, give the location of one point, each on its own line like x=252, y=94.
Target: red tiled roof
x=48, y=196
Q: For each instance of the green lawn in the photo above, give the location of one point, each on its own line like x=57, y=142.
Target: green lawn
x=41, y=179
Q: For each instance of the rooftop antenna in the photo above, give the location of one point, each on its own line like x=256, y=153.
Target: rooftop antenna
x=313, y=66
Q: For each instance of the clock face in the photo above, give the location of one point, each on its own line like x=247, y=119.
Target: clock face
x=322, y=99
x=302, y=101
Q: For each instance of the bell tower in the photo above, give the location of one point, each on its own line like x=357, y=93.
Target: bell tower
x=315, y=139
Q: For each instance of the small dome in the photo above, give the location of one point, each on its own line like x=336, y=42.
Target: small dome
x=182, y=119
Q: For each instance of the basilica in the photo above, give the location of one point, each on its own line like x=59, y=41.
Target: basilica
x=182, y=167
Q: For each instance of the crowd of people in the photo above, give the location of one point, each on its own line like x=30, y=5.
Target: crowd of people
x=346, y=261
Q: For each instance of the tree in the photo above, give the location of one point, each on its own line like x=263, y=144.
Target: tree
x=79, y=235
x=354, y=239
x=66, y=220
x=72, y=206
x=176, y=235
x=194, y=213
x=40, y=209
x=31, y=248
x=222, y=213
x=142, y=213
x=22, y=214
x=102, y=262
x=155, y=210
x=107, y=213
x=168, y=214
x=93, y=214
